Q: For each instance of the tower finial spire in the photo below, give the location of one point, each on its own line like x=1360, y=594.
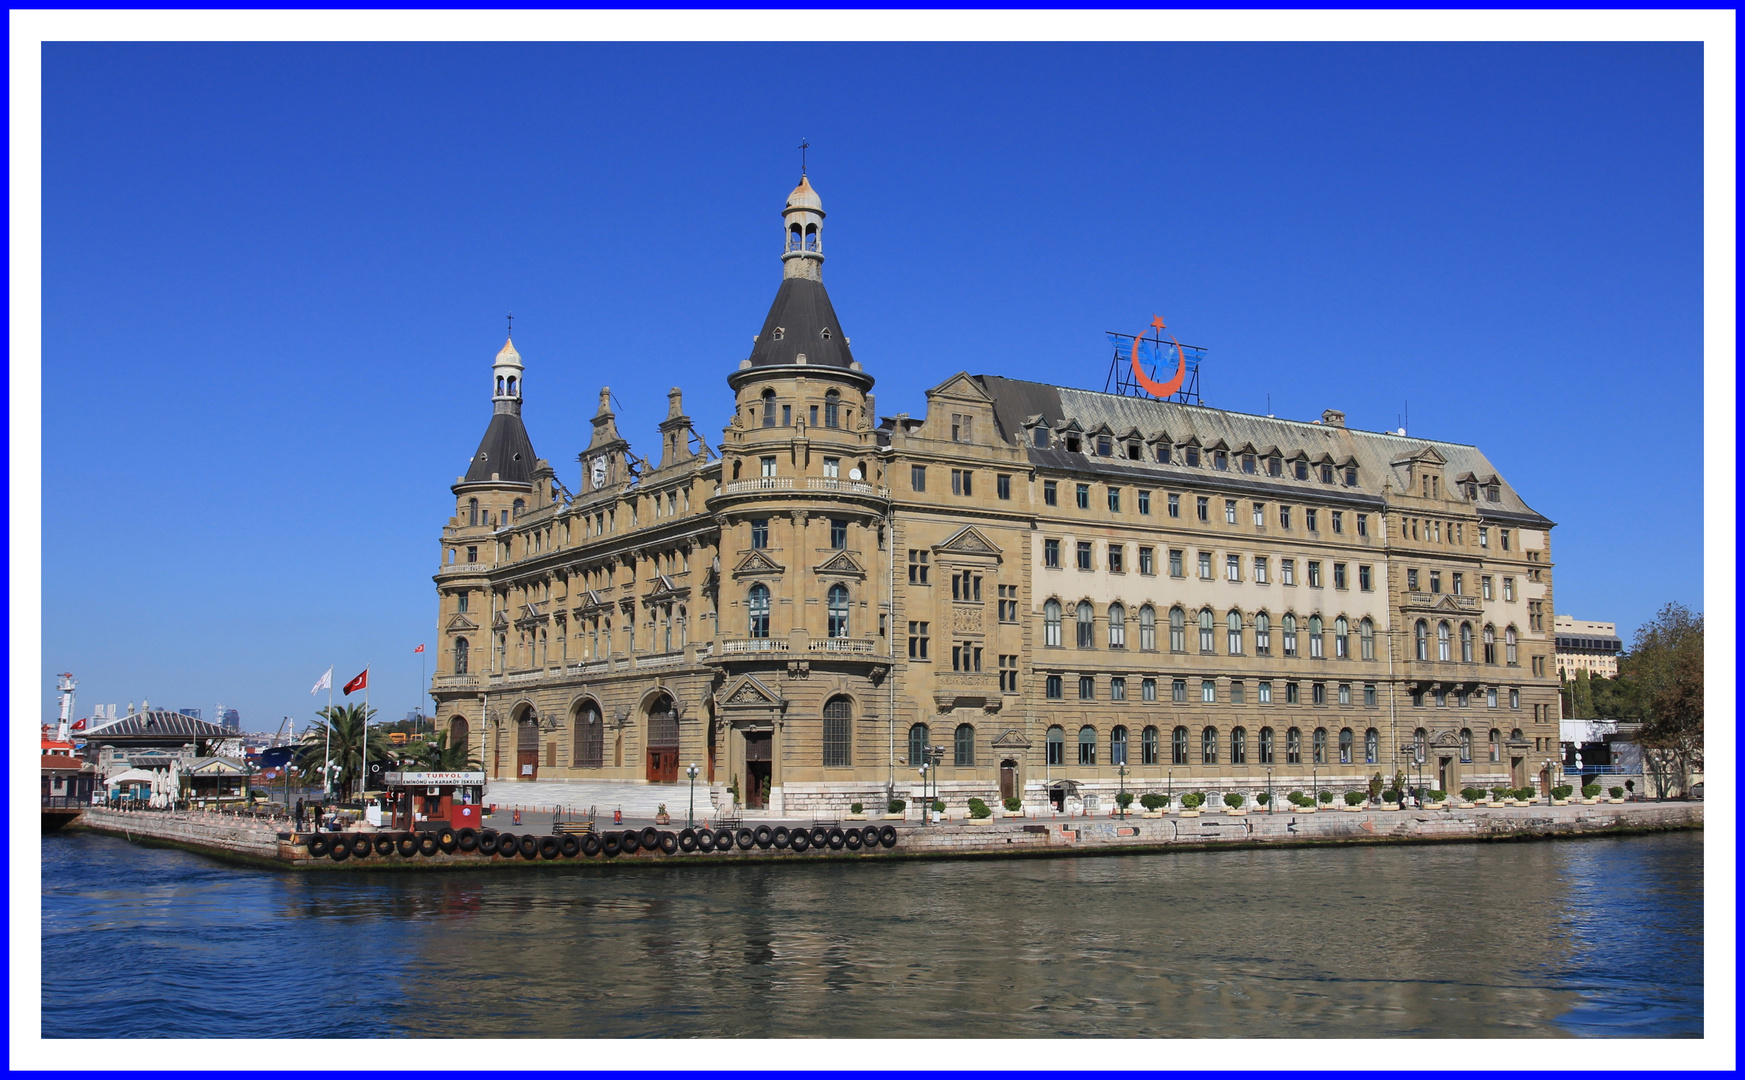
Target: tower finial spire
x=511, y=324
x=804, y=145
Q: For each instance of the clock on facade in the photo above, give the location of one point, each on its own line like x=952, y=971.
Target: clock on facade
x=599, y=471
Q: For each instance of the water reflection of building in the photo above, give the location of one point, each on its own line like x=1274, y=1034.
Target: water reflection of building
x=1052, y=585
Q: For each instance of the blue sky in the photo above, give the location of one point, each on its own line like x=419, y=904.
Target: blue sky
x=274, y=277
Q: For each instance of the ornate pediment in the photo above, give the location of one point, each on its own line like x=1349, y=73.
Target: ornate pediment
x=531, y=614
x=500, y=621
x=960, y=385
x=841, y=564
x=968, y=541
x=748, y=692
x=1011, y=738
x=460, y=624
x=755, y=564
x=665, y=589
x=1426, y=454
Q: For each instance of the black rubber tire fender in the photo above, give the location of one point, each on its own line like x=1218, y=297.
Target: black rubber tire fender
x=668, y=843
x=688, y=841
x=550, y=847
x=406, y=845
x=319, y=845
x=467, y=840
x=851, y=839
x=835, y=837
x=628, y=842
x=780, y=838
x=888, y=836
x=569, y=846
x=799, y=840
x=362, y=846
x=590, y=845
x=446, y=839
x=745, y=837
x=529, y=846
x=764, y=836
x=649, y=838
x=506, y=845
x=869, y=836
x=488, y=842
x=705, y=840
x=384, y=844
x=610, y=845
x=428, y=845
x=820, y=836
x=340, y=852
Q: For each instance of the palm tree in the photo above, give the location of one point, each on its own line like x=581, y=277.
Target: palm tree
x=346, y=725
x=436, y=755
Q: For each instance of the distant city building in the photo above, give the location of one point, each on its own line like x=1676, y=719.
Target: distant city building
x=1586, y=646
x=185, y=711
x=230, y=720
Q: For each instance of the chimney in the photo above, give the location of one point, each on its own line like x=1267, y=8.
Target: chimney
x=1333, y=418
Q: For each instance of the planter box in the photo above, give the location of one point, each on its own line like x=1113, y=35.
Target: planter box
x=1151, y=813
x=854, y=817
x=1190, y=813
x=1614, y=800
x=978, y=821
x=1511, y=802
x=896, y=817
x=1237, y=813
x=1433, y=806
x=1464, y=805
x=1307, y=809
x=1559, y=802
x=1355, y=809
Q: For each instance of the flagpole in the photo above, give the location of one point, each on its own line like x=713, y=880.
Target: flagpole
x=363, y=765
x=327, y=754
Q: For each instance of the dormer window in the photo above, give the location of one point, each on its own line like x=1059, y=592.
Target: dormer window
x=1275, y=465
x=1105, y=446
x=1302, y=469
x=1133, y=450
x=1072, y=444
x=1248, y=464
x=1220, y=461
x=1041, y=438
x=1492, y=493
x=1350, y=476
x=1326, y=474
x=825, y=333
x=1470, y=490
x=778, y=333
x=1193, y=456
x=1163, y=454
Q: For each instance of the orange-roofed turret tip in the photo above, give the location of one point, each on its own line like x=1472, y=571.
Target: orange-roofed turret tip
x=804, y=197
x=508, y=355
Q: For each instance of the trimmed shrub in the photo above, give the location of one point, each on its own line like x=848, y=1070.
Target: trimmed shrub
x=1326, y=797
x=1590, y=791
x=1353, y=798
x=1472, y=794
x=1525, y=793
x=1014, y=804
x=1151, y=800
x=1192, y=800
x=939, y=806
x=1390, y=795
x=856, y=808
x=1561, y=791
x=1617, y=793
x=1501, y=793
x=1263, y=799
x=895, y=806
x=979, y=809
x=1124, y=799
x=1233, y=800
x=1297, y=798
x=1438, y=796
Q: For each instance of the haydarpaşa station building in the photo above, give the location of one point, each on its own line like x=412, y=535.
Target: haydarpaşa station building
x=1068, y=591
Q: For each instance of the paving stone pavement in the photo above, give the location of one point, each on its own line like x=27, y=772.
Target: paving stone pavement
x=635, y=800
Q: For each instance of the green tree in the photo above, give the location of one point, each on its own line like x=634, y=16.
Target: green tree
x=347, y=725
x=1666, y=664
x=1582, y=697
x=437, y=755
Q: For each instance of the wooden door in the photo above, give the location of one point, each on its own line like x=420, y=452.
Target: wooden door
x=1008, y=779
x=527, y=750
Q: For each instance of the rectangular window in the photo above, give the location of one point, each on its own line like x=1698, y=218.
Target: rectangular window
x=1116, y=552
x=1238, y=692
x=1508, y=588
x=1229, y=511
x=917, y=566
x=1087, y=688
x=1084, y=554
x=1309, y=521
x=1503, y=535
x=1287, y=571
x=1339, y=575
x=1538, y=666
x=1083, y=495
x=766, y=466
x=1178, y=690
x=1490, y=697
x=1260, y=569
x=1411, y=580
x=1364, y=580
x=1003, y=487
x=814, y=416
x=1292, y=696
x=832, y=468
x=960, y=482
x=1436, y=581
x=1146, y=563
x=1175, y=563
x=1148, y=690
x=1204, y=508
x=1008, y=674
x=918, y=638
x=1484, y=586
x=1053, y=689
x=1284, y=517
x=1008, y=603
x=1050, y=493
x=787, y=416
x=1233, y=568
x=1363, y=524
x=760, y=532
x=1205, y=566
x=1051, y=554
x=1344, y=693
x=472, y=554
x=1114, y=500
x=1259, y=515
x=1369, y=694
x=1318, y=693
x=1208, y=692
x=1314, y=573
x=838, y=533
x=460, y=601
x=1457, y=583
x=1175, y=506
x=1263, y=692
x=1145, y=502
x=918, y=477
x=1338, y=521
x=1117, y=689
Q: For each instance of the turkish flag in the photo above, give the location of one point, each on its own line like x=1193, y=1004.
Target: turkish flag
x=78, y=725
x=419, y=649
x=358, y=683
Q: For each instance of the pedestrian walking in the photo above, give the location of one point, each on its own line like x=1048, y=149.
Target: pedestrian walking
x=299, y=815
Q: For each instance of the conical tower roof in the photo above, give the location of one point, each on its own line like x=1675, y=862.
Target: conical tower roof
x=801, y=320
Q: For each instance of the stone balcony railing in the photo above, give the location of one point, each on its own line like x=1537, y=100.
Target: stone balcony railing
x=754, y=645
x=659, y=660
x=455, y=682
x=853, y=487
x=760, y=483
x=854, y=646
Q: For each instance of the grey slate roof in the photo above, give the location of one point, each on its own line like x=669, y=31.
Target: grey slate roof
x=158, y=724
x=803, y=312
x=505, y=450
x=1378, y=455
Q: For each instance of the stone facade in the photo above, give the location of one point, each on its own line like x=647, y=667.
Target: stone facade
x=1066, y=593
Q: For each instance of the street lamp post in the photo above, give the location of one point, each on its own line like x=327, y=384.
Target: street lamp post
x=691, y=811
x=1270, y=808
x=1120, y=802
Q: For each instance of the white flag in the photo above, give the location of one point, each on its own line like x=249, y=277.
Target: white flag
x=324, y=683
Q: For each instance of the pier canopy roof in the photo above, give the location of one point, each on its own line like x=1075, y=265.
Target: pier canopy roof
x=159, y=727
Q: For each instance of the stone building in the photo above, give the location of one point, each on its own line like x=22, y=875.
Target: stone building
x=1583, y=645
x=1067, y=592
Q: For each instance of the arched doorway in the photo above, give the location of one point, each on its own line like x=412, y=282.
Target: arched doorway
x=663, y=742
x=527, y=747
x=458, y=732
x=1008, y=779
x=589, y=741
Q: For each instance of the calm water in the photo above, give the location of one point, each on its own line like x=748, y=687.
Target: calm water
x=1587, y=937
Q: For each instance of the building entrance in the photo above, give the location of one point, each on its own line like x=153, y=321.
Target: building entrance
x=1008, y=779
x=663, y=744
x=527, y=748
x=758, y=772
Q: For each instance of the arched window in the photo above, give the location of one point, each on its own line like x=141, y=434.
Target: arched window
x=1178, y=746
x=1262, y=634
x=1087, y=745
x=1466, y=643
x=837, y=713
x=1233, y=633
x=812, y=238
x=837, y=606
x=963, y=746
x=1366, y=639
x=1371, y=746
x=511, y=386
x=1208, y=641
x=590, y=736
x=1056, y=745
x=1238, y=746
x=1465, y=744
x=832, y=409
x=1496, y=745
x=472, y=511
x=757, y=607
x=1265, y=746
x=1342, y=638
x=1087, y=625
x=1509, y=652
x=460, y=655
x=1209, y=746
x=499, y=386
x=1346, y=742
x=794, y=237
x=1117, y=626
x=518, y=506
x=917, y=744
x=1051, y=623
x=769, y=408
x=1149, y=749
x=1293, y=746
x=1288, y=628
x=1320, y=746
x=1317, y=648
x=1178, y=634
x=1490, y=644
x=1118, y=745
x=1442, y=652
x=1422, y=636
x=1148, y=629
x=1515, y=735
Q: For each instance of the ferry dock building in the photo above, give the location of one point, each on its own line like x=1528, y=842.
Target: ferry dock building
x=1071, y=592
